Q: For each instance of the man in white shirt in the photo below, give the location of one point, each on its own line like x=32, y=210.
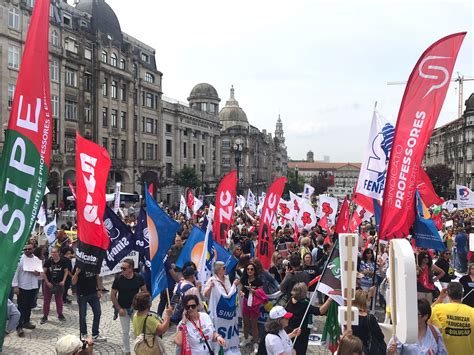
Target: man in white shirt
x=25, y=286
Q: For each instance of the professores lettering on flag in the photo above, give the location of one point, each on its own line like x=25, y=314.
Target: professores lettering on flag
x=402, y=155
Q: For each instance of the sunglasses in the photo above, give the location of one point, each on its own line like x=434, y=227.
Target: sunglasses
x=250, y=269
x=191, y=306
x=28, y=249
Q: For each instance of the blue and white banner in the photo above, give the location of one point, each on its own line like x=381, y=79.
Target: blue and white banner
x=142, y=239
x=121, y=237
x=374, y=164
x=465, y=197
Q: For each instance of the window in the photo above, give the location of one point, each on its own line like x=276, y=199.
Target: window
x=123, y=92
x=194, y=151
x=67, y=19
x=87, y=54
x=114, y=89
x=87, y=81
x=87, y=114
x=105, y=143
x=122, y=63
x=105, y=87
x=30, y=3
x=135, y=123
x=135, y=150
x=11, y=94
x=149, y=152
x=71, y=77
x=202, y=150
x=70, y=110
x=149, y=78
x=71, y=45
x=55, y=38
x=135, y=70
x=225, y=143
x=55, y=105
x=185, y=132
x=226, y=161
x=149, y=125
x=13, y=56
x=203, y=106
x=185, y=150
x=169, y=170
x=113, y=148
x=145, y=57
x=105, y=117
x=168, y=148
x=149, y=100
x=123, y=149
x=169, y=128
x=70, y=144
x=14, y=18
x=123, y=120
x=54, y=70
x=113, y=59
x=113, y=118
x=104, y=56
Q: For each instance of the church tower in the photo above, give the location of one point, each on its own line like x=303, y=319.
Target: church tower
x=279, y=132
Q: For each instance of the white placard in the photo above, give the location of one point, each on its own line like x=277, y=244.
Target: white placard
x=449, y=223
x=471, y=242
x=118, y=186
x=32, y=264
x=104, y=271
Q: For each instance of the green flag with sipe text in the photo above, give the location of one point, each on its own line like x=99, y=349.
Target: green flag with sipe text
x=26, y=152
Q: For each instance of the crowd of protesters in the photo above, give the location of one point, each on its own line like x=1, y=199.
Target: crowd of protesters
x=445, y=284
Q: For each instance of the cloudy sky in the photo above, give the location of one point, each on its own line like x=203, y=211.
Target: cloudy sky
x=321, y=65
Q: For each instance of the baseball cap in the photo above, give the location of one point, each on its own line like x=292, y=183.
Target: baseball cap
x=68, y=344
x=279, y=312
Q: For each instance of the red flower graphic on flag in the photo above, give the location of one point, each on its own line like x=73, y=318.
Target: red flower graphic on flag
x=362, y=213
x=296, y=207
x=306, y=219
x=284, y=209
x=327, y=209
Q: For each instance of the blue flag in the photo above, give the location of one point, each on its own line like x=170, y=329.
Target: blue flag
x=377, y=214
x=121, y=238
x=142, y=245
x=192, y=251
x=161, y=232
x=424, y=230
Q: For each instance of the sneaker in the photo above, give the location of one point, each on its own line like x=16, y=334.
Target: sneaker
x=43, y=320
x=246, y=342
x=255, y=348
x=20, y=333
x=29, y=326
x=83, y=337
x=98, y=338
x=62, y=318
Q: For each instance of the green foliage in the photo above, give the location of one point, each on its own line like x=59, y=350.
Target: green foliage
x=291, y=183
x=187, y=177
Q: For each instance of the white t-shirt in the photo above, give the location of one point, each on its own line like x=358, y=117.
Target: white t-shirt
x=277, y=344
x=196, y=342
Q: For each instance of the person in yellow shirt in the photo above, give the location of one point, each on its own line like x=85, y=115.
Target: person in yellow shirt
x=455, y=320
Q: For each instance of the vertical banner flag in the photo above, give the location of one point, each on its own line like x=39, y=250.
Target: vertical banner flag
x=142, y=239
x=286, y=212
x=426, y=190
x=197, y=205
x=251, y=201
x=265, y=241
x=190, y=199
x=327, y=207
x=205, y=263
x=50, y=231
x=161, y=230
x=92, y=170
x=306, y=219
x=342, y=224
x=424, y=230
x=330, y=283
x=121, y=238
x=26, y=152
x=118, y=186
x=182, y=205
x=296, y=203
x=225, y=202
x=307, y=191
x=374, y=164
x=419, y=110
x=465, y=197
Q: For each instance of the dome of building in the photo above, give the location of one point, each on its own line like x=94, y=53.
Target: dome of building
x=470, y=103
x=231, y=114
x=103, y=18
x=203, y=91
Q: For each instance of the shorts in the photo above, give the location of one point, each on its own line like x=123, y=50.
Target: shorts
x=251, y=312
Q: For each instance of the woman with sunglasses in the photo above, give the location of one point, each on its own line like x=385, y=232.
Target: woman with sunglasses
x=196, y=333
x=250, y=284
x=426, y=279
x=444, y=263
x=367, y=268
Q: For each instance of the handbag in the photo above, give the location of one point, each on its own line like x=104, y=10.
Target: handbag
x=148, y=344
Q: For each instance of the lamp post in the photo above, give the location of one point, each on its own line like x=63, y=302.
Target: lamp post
x=238, y=147
x=296, y=175
x=203, y=169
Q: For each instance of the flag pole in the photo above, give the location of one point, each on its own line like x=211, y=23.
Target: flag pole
x=316, y=288
x=168, y=297
x=393, y=294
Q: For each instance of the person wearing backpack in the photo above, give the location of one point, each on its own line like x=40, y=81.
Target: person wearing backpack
x=277, y=341
x=185, y=287
x=430, y=341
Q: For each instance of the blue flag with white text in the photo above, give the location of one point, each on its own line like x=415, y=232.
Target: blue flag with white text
x=424, y=230
x=121, y=238
x=161, y=232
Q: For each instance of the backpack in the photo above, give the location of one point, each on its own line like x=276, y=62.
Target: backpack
x=176, y=300
x=262, y=348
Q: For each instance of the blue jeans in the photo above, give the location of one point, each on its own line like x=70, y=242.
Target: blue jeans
x=94, y=302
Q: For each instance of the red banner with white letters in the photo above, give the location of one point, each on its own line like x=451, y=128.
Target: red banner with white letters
x=421, y=104
x=265, y=247
x=92, y=170
x=225, y=202
x=342, y=224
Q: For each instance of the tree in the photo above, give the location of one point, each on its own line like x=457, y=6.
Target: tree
x=441, y=176
x=187, y=177
x=320, y=183
x=291, y=183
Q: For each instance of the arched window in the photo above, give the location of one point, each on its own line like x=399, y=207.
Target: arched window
x=149, y=78
x=104, y=56
x=122, y=63
x=14, y=18
x=55, y=38
x=113, y=59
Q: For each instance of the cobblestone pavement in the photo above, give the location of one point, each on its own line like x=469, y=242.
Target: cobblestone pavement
x=43, y=339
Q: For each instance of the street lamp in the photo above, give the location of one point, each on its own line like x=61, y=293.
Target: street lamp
x=203, y=169
x=238, y=147
x=296, y=174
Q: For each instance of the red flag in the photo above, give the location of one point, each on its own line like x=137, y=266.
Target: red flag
x=71, y=186
x=225, y=202
x=426, y=190
x=190, y=199
x=437, y=220
x=422, y=101
x=92, y=170
x=265, y=241
x=150, y=188
x=342, y=224
x=355, y=223
x=324, y=224
x=364, y=201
